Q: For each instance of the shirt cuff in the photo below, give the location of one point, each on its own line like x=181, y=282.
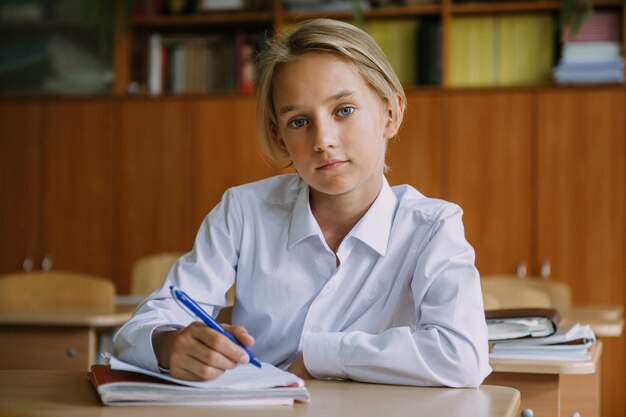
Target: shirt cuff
x=322, y=355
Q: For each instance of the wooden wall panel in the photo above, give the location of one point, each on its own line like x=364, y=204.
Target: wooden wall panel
x=20, y=125
x=76, y=190
x=414, y=156
x=225, y=151
x=488, y=161
x=152, y=181
x=580, y=208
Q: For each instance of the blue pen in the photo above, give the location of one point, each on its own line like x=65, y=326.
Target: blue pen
x=197, y=311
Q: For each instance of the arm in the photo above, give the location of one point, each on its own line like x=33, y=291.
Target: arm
x=207, y=272
x=449, y=344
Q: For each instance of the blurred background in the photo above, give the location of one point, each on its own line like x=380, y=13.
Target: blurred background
x=123, y=122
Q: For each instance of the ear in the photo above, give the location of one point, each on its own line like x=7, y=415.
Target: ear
x=277, y=137
x=393, y=123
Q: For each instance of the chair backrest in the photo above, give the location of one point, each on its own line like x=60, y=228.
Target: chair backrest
x=490, y=301
x=559, y=293
x=513, y=292
x=149, y=272
x=55, y=291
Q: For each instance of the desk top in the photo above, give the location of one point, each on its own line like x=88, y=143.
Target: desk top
x=89, y=318
x=69, y=394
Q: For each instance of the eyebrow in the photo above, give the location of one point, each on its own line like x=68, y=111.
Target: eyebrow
x=340, y=95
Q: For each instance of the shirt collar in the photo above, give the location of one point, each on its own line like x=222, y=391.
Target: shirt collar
x=303, y=223
x=373, y=229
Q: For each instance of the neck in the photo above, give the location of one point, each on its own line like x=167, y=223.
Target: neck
x=337, y=214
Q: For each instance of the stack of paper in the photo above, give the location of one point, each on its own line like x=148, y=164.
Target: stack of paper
x=124, y=384
x=569, y=343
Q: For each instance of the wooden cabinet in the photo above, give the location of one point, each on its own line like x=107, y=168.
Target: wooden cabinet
x=76, y=193
x=152, y=181
x=56, y=164
x=488, y=172
x=225, y=151
x=580, y=208
x=20, y=126
x=414, y=156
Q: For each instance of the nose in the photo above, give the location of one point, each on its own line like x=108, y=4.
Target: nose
x=325, y=135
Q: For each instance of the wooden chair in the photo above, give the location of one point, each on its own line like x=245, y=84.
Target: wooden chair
x=54, y=319
x=490, y=301
x=55, y=291
x=149, y=272
x=528, y=291
x=513, y=292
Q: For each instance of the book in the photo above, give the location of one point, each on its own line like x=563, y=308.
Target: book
x=525, y=49
x=398, y=40
x=521, y=322
x=569, y=343
x=124, y=384
x=472, y=58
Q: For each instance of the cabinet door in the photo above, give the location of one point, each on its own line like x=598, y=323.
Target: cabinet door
x=488, y=173
x=414, y=156
x=76, y=168
x=581, y=208
x=153, y=181
x=225, y=150
x=20, y=125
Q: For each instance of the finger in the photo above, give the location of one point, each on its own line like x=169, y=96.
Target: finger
x=196, y=372
x=189, y=345
x=241, y=334
x=220, y=344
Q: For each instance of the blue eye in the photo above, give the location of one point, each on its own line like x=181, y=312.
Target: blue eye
x=345, y=111
x=297, y=122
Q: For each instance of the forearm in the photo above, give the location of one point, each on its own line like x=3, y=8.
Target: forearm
x=428, y=357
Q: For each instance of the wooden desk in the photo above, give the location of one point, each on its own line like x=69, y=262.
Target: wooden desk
x=550, y=388
x=69, y=394
x=56, y=340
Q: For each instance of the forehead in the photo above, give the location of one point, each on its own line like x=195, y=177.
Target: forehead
x=316, y=72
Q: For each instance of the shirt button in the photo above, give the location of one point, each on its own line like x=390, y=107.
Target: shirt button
x=371, y=294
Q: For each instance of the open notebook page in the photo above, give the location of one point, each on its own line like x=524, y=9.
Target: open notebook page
x=245, y=376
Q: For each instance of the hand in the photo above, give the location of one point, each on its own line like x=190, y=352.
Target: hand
x=298, y=368
x=198, y=352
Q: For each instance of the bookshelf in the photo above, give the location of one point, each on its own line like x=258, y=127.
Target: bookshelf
x=446, y=14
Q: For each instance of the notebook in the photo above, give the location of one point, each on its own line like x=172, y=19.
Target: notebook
x=124, y=384
x=521, y=322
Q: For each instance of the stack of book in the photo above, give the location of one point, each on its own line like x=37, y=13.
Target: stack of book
x=500, y=50
x=202, y=63
x=593, y=54
x=535, y=334
x=123, y=384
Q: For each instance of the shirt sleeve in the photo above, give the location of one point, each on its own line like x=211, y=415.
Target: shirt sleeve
x=207, y=272
x=449, y=345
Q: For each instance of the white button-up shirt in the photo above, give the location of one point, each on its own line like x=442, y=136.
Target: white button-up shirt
x=404, y=306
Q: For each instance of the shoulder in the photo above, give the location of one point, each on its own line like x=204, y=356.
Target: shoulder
x=413, y=203
x=280, y=189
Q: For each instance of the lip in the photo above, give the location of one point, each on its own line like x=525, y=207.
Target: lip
x=331, y=164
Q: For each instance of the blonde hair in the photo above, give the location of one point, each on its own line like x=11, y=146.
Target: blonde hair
x=321, y=35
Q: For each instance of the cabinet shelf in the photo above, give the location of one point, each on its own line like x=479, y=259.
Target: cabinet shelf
x=216, y=18
x=375, y=13
x=517, y=6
